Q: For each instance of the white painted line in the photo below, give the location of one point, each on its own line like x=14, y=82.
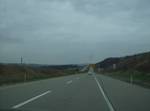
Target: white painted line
x=104, y=95
x=69, y=82
x=78, y=78
x=30, y=100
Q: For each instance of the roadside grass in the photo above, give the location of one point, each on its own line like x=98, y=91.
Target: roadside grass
x=9, y=79
x=136, y=77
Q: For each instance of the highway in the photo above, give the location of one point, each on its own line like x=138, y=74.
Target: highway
x=80, y=92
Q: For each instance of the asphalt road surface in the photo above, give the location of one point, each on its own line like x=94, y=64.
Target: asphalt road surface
x=81, y=92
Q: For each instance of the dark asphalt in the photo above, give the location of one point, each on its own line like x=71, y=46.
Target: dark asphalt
x=76, y=93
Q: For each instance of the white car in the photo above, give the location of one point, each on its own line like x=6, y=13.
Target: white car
x=89, y=73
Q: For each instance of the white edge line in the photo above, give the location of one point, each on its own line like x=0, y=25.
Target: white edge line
x=30, y=100
x=69, y=82
x=104, y=95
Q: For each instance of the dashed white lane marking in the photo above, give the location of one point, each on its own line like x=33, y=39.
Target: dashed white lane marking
x=104, y=95
x=77, y=78
x=69, y=82
x=31, y=99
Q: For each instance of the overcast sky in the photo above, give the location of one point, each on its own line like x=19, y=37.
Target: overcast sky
x=72, y=31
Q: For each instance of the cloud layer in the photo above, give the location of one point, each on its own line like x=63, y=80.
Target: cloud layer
x=71, y=31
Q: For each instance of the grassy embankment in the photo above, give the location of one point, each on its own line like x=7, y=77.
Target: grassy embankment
x=15, y=73
x=134, y=68
x=133, y=77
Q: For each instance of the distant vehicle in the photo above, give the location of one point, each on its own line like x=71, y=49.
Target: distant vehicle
x=89, y=73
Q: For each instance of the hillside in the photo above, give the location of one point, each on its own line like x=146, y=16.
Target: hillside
x=139, y=62
x=134, y=69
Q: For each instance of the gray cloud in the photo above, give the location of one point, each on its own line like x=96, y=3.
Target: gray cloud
x=69, y=31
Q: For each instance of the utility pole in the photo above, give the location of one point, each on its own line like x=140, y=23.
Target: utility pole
x=21, y=60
